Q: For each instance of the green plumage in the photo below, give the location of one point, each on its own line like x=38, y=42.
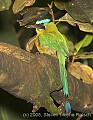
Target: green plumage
x=63, y=73
x=57, y=41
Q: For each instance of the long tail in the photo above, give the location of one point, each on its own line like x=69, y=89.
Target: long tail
x=63, y=73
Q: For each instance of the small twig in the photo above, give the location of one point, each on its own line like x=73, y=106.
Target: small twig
x=51, y=11
x=73, y=59
x=78, y=118
x=20, y=32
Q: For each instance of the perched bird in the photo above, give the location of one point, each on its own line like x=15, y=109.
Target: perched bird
x=51, y=37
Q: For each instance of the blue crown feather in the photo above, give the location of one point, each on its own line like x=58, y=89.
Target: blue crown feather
x=43, y=21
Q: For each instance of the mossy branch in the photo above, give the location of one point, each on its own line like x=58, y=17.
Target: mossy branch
x=35, y=78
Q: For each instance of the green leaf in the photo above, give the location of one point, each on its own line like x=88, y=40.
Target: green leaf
x=83, y=43
x=20, y=4
x=59, y=4
x=70, y=47
x=85, y=55
x=81, y=10
x=4, y=4
x=86, y=27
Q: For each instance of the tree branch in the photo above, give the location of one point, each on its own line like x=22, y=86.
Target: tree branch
x=35, y=78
